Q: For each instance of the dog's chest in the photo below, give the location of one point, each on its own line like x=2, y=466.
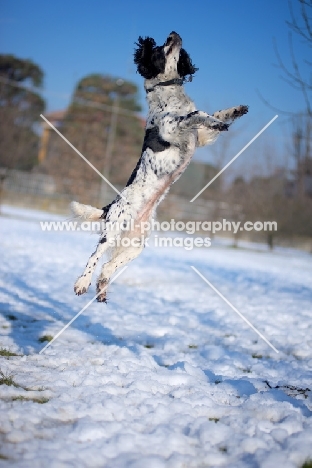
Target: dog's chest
x=167, y=104
x=165, y=148
x=162, y=162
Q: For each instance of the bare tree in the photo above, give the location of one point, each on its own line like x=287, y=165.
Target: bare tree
x=294, y=74
x=297, y=74
x=301, y=147
x=294, y=207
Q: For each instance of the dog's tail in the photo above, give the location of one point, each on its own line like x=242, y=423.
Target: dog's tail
x=86, y=212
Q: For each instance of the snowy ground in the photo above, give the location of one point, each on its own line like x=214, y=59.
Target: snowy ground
x=166, y=374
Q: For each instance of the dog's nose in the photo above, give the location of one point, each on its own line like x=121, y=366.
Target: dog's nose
x=174, y=37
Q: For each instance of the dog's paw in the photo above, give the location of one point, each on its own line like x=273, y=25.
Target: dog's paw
x=240, y=110
x=101, y=289
x=81, y=286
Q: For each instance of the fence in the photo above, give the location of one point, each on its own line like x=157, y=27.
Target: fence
x=43, y=192
x=40, y=191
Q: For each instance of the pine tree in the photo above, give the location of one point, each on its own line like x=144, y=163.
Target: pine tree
x=102, y=123
x=20, y=110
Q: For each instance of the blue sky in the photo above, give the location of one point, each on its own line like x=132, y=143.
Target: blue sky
x=231, y=42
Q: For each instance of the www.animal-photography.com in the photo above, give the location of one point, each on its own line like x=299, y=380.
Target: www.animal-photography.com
x=156, y=234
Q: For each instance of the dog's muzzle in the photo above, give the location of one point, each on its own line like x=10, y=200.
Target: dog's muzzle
x=173, y=40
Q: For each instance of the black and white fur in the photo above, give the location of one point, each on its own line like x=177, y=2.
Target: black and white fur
x=174, y=129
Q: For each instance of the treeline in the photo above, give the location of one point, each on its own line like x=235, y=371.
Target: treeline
x=103, y=123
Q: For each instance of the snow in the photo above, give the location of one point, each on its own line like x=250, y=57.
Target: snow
x=166, y=374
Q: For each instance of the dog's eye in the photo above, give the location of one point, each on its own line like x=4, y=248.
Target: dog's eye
x=168, y=41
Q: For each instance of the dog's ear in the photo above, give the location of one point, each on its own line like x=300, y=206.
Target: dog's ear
x=149, y=59
x=185, y=66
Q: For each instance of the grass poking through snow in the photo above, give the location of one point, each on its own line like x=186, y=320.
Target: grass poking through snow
x=6, y=353
x=44, y=338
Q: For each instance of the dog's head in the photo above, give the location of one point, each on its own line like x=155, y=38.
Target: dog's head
x=168, y=61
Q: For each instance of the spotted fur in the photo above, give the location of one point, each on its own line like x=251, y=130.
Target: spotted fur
x=174, y=128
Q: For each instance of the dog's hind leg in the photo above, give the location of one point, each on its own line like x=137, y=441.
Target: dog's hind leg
x=122, y=257
x=83, y=282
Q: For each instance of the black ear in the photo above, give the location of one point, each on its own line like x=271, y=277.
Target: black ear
x=149, y=59
x=185, y=66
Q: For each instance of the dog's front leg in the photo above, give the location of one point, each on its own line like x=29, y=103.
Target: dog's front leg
x=197, y=119
x=83, y=282
x=206, y=135
x=208, y=127
x=229, y=115
x=172, y=128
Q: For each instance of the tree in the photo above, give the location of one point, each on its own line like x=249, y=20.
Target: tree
x=293, y=206
x=298, y=75
x=102, y=123
x=301, y=151
x=238, y=195
x=20, y=110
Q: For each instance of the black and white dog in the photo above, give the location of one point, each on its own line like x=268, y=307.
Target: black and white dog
x=174, y=129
